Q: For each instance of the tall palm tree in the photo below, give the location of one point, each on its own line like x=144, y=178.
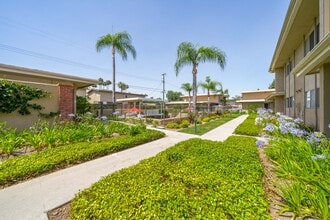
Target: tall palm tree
x=209, y=85
x=188, y=88
x=121, y=43
x=225, y=95
x=122, y=86
x=190, y=54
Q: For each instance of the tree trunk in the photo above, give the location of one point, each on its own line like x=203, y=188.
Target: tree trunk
x=208, y=101
x=195, y=90
x=113, y=80
x=189, y=106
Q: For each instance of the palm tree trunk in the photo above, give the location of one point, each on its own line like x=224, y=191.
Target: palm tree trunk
x=195, y=94
x=208, y=101
x=189, y=101
x=113, y=81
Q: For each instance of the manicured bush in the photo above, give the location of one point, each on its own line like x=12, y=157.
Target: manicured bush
x=248, y=127
x=173, y=125
x=20, y=168
x=195, y=179
x=184, y=124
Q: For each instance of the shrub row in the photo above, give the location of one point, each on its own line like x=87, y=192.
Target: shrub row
x=20, y=168
x=248, y=127
x=195, y=179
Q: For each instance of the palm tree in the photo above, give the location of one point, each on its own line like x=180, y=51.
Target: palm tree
x=225, y=95
x=188, y=88
x=190, y=54
x=209, y=85
x=121, y=43
x=122, y=86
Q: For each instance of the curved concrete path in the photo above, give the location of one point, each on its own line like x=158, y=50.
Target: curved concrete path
x=34, y=198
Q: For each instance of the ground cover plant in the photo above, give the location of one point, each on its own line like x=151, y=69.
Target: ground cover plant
x=248, y=127
x=209, y=123
x=301, y=157
x=24, y=167
x=195, y=179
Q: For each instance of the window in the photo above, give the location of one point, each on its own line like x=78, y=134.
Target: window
x=311, y=99
x=289, y=102
x=317, y=98
x=288, y=67
x=311, y=41
x=317, y=34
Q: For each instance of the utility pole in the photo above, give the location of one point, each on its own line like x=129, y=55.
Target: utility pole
x=163, y=108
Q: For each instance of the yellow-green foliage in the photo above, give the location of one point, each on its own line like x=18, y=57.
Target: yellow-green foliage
x=195, y=179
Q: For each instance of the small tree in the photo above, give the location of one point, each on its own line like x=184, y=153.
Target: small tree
x=83, y=106
x=209, y=85
x=188, y=88
x=173, y=96
x=272, y=85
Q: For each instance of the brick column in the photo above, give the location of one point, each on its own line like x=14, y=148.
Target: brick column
x=66, y=101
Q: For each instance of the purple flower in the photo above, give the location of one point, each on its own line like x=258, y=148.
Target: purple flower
x=315, y=138
x=270, y=127
x=319, y=157
x=260, y=144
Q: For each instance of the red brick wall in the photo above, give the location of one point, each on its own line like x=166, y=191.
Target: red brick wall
x=66, y=101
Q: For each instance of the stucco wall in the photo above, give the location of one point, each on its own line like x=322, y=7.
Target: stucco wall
x=50, y=104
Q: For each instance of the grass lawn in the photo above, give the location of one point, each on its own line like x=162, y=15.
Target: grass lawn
x=208, y=126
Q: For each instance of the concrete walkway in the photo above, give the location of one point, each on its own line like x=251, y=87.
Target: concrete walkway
x=34, y=198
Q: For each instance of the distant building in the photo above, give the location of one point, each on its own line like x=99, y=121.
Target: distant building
x=301, y=63
x=256, y=98
x=203, y=98
x=103, y=95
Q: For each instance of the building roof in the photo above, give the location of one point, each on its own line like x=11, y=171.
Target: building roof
x=110, y=91
x=201, y=95
x=250, y=100
x=299, y=19
x=259, y=91
x=16, y=70
x=139, y=99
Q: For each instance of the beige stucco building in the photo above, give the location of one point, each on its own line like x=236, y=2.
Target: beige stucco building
x=203, y=98
x=301, y=63
x=257, y=99
x=105, y=95
x=61, y=88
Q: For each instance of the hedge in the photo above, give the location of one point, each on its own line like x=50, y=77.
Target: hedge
x=20, y=168
x=248, y=127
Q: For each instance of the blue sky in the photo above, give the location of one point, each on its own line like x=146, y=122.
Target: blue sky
x=35, y=33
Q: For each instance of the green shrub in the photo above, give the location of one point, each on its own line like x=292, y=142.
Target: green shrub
x=195, y=179
x=24, y=167
x=206, y=119
x=184, y=124
x=172, y=125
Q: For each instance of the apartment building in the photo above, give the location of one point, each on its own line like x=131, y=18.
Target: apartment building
x=301, y=63
x=257, y=99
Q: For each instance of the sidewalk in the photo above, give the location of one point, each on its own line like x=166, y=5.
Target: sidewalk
x=34, y=198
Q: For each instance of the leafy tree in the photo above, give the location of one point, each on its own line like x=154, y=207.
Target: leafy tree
x=122, y=86
x=188, y=88
x=121, y=43
x=189, y=54
x=272, y=85
x=209, y=85
x=83, y=106
x=15, y=96
x=173, y=96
